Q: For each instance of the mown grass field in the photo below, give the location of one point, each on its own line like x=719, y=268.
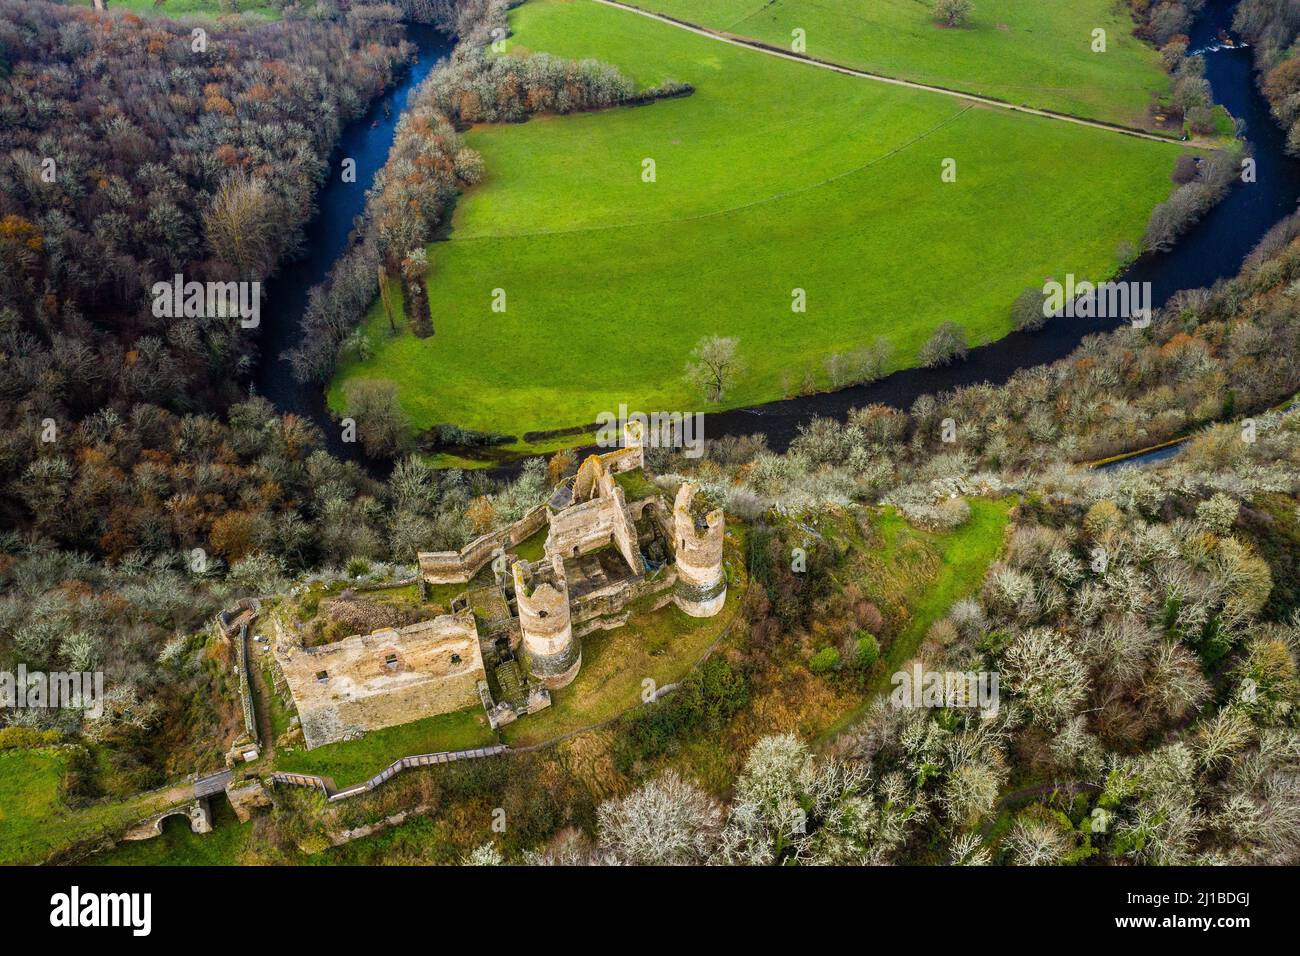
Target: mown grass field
x=772, y=176
x=1027, y=52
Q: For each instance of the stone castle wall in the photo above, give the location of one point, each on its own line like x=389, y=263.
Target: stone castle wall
x=590, y=524
x=458, y=567
x=610, y=606
x=387, y=677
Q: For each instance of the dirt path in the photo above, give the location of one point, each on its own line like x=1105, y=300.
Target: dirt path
x=752, y=44
x=261, y=706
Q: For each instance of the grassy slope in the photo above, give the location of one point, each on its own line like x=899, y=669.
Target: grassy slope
x=34, y=822
x=967, y=554
x=180, y=846
x=773, y=175
x=662, y=646
x=1029, y=52
x=352, y=761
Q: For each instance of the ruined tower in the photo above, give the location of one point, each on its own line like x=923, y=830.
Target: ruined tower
x=634, y=443
x=701, y=588
x=553, y=653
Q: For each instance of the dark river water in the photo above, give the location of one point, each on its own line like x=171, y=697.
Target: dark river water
x=1211, y=250
x=328, y=236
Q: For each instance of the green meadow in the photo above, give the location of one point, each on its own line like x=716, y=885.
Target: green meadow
x=35, y=822
x=192, y=8
x=773, y=176
x=1029, y=52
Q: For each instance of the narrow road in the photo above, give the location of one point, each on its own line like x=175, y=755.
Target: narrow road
x=761, y=47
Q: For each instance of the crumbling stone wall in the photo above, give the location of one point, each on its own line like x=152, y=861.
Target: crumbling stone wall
x=588, y=525
x=458, y=567
x=198, y=813
x=701, y=583
x=387, y=677
x=247, y=798
x=609, y=607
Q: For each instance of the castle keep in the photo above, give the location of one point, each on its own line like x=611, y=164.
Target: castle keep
x=390, y=676
x=515, y=633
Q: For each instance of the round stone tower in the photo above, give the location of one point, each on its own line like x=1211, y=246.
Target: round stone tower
x=701, y=587
x=554, y=654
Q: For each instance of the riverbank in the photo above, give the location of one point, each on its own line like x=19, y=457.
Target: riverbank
x=331, y=233
x=1211, y=250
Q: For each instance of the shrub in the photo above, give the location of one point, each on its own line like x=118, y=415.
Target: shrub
x=27, y=738
x=952, y=13
x=824, y=661
x=1185, y=169
x=866, y=651
x=380, y=422
x=1190, y=201
x=947, y=344
x=709, y=697
x=1027, y=311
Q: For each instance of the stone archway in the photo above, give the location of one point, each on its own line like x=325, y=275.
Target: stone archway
x=198, y=814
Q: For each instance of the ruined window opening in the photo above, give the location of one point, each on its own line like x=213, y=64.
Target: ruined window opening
x=542, y=613
x=455, y=658
x=322, y=677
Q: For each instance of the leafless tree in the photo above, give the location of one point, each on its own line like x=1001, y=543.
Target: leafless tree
x=714, y=366
x=667, y=821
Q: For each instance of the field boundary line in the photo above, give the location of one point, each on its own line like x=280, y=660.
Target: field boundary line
x=761, y=47
x=1001, y=86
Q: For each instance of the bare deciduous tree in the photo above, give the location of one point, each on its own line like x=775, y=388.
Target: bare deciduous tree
x=714, y=366
x=381, y=424
x=665, y=822
x=244, y=226
x=952, y=13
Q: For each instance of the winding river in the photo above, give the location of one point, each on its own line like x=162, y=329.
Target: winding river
x=329, y=234
x=1213, y=249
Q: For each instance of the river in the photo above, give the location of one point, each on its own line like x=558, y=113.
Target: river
x=328, y=235
x=1211, y=250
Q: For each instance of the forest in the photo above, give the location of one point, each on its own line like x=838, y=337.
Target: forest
x=1144, y=620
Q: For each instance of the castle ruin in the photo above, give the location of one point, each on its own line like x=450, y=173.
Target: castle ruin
x=515, y=635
